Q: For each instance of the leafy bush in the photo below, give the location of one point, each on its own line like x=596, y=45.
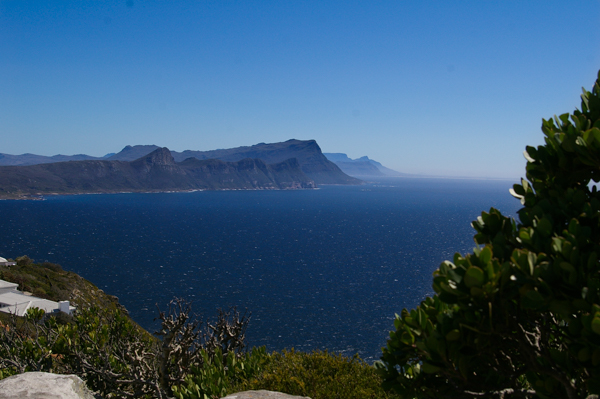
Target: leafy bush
x=24, y=261
x=319, y=375
x=26, y=345
x=52, y=266
x=219, y=375
x=520, y=316
x=118, y=359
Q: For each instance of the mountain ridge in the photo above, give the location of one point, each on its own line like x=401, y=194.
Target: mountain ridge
x=154, y=172
x=307, y=152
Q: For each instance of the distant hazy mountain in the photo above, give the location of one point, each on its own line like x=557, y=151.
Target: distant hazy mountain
x=308, y=153
x=360, y=167
x=156, y=171
x=32, y=159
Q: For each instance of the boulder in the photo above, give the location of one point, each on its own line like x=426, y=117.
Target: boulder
x=38, y=385
x=263, y=395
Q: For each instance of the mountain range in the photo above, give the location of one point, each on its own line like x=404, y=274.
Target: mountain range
x=308, y=153
x=288, y=165
x=154, y=172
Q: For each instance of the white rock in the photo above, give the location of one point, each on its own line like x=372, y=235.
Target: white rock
x=37, y=385
x=263, y=395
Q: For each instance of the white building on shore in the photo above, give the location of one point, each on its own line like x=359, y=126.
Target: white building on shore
x=4, y=262
x=17, y=302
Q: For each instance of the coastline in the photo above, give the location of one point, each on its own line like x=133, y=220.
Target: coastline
x=42, y=196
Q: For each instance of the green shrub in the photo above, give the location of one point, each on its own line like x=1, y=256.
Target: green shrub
x=24, y=260
x=217, y=376
x=116, y=358
x=319, y=375
x=52, y=266
x=39, y=292
x=520, y=316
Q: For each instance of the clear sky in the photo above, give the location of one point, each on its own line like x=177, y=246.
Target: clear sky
x=455, y=88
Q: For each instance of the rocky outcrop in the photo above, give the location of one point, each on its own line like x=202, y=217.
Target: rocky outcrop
x=160, y=156
x=131, y=153
x=37, y=385
x=263, y=395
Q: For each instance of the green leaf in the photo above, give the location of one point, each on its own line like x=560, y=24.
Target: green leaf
x=584, y=354
x=527, y=155
x=518, y=189
x=429, y=368
x=474, y=277
x=453, y=335
x=448, y=288
x=407, y=338
x=567, y=267
x=544, y=227
x=557, y=244
x=531, y=261
x=532, y=299
x=515, y=194
x=485, y=255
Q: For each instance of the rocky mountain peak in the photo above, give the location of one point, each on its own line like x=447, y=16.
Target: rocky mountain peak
x=160, y=156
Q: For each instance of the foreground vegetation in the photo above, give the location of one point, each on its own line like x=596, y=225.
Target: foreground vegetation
x=318, y=375
x=105, y=348
x=520, y=316
x=116, y=360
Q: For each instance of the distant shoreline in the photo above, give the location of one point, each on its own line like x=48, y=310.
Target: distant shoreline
x=41, y=197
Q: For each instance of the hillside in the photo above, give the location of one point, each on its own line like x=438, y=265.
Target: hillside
x=154, y=172
x=49, y=281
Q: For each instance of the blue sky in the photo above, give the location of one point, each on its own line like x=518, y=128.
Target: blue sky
x=453, y=88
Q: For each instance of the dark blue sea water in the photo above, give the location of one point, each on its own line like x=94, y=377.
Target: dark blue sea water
x=318, y=269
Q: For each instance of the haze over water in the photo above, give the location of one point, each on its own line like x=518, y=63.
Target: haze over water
x=318, y=269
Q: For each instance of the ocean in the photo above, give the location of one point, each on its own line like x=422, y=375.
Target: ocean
x=317, y=269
